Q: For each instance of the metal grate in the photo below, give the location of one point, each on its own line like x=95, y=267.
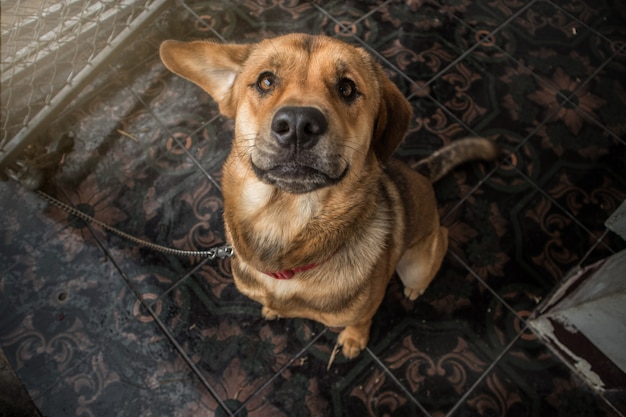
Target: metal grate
x=50, y=50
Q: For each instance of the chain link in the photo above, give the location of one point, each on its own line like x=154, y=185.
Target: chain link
x=222, y=252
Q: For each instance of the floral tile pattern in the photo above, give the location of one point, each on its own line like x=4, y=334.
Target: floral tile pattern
x=529, y=380
x=96, y=325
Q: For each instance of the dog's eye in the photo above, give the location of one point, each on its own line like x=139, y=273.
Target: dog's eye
x=266, y=81
x=347, y=90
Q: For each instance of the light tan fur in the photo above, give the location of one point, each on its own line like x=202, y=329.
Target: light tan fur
x=338, y=202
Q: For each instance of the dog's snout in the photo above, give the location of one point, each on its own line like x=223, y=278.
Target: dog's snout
x=301, y=127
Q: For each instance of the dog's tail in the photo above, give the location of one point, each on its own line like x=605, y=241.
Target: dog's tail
x=458, y=152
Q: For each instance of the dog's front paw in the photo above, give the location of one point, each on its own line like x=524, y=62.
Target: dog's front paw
x=352, y=341
x=269, y=314
x=412, y=293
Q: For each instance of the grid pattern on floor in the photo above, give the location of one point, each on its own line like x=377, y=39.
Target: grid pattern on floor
x=96, y=326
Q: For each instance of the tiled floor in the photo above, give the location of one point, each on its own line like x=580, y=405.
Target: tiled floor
x=95, y=326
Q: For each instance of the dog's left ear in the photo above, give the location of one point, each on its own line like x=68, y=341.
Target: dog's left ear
x=392, y=121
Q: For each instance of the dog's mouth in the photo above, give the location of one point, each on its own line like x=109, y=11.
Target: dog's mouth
x=297, y=178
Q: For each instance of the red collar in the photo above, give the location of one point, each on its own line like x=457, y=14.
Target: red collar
x=289, y=273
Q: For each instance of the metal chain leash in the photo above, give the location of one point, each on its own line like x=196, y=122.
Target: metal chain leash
x=222, y=252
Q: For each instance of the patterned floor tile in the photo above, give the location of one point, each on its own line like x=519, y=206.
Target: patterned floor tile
x=24, y=225
x=74, y=333
x=597, y=99
x=56, y=302
x=589, y=193
x=223, y=332
x=415, y=55
x=605, y=17
x=493, y=230
x=531, y=381
x=599, y=252
x=132, y=369
x=150, y=187
x=180, y=212
x=432, y=127
x=490, y=94
x=254, y=20
x=439, y=345
x=437, y=365
x=308, y=388
x=550, y=40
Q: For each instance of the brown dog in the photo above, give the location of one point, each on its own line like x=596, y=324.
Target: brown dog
x=318, y=213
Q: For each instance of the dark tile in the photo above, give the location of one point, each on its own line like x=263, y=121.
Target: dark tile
x=517, y=235
x=14, y=399
x=558, y=47
x=306, y=387
x=489, y=93
x=597, y=100
x=24, y=225
x=431, y=128
x=158, y=120
x=531, y=381
x=415, y=54
x=352, y=17
x=56, y=303
x=465, y=90
x=155, y=193
x=255, y=20
x=609, y=240
x=235, y=349
x=181, y=211
x=606, y=17
x=616, y=399
x=440, y=344
x=590, y=193
x=437, y=364
x=132, y=369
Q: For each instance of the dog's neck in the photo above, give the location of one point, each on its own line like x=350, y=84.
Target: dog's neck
x=289, y=273
x=275, y=231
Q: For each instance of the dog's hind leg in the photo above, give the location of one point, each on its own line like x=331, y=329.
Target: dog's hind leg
x=421, y=261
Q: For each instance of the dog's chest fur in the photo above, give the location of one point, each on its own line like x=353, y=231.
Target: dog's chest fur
x=348, y=236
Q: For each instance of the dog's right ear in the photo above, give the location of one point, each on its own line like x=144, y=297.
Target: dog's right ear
x=212, y=66
x=392, y=121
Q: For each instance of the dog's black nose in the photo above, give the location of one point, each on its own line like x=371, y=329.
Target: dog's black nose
x=300, y=127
